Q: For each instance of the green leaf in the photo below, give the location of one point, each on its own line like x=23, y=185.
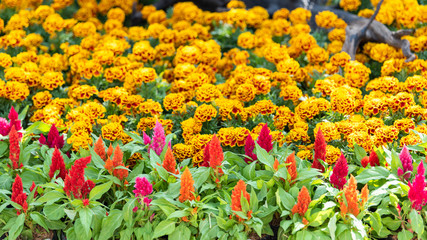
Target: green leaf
x=319, y=217
x=378, y=225
x=405, y=235
x=182, y=232
x=249, y=171
x=128, y=212
x=110, y=224
x=3, y=147
x=53, y=212
x=51, y=197
x=375, y=173
x=85, y=215
x=332, y=225
x=18, y=225
x=200, y=175
x=360, y=152
x=417, y=222
x=39, y=219
x=285, y=198
x=178, y=214
x=284, y=224
x=263, y=156
x=97, y=192
x=297, y=226
x=165, y=227
x=308, y=174
x=359, y=225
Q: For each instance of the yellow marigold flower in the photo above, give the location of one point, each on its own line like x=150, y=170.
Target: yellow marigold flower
x=157, y=17
x=289, y=66
x=262, y=84
x=205, y=113
x=280, y=27
x=275, y=52
x=173, y=101
x=183, y=70
x=305, y=154
x=264, y=107
x=416, y=111
x=381, y=52
x=297, y=134
x=404, y=124
x=143, y=51
x=362, y=139
x=53, y=23
x=416, y=83
x=236, y=4
x=16, y=91
x=5, y=60
x=401, y=100
x=386, y=14
x=112, y=131
x=15, y=38
x=329, y=131
x=337, y=34
x=81, y=140
x=299, y=29
x=84, y=29
x=326, y=19
x=384, y=135
x=145, y=124
x=144, y=75
x=207, y=93
x=411, y=139
x=408, y=18
x=15, y=74
x=116, y=13
x=84, y=92
x=150, y=107
x=182, y=151
x=373, y=123
x=226, y=136
x=350, y=5
x=317, y=55
x=375, y=106
x=283, y=117
x=300, y=15
x=52, y=80
x=41, y=99
x=356, y=74
x=188, y=54
x=392, y=65
x=246, y=92
x=332, y=154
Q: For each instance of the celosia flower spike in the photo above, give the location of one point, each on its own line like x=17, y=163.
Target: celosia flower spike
x=265, y=139
x=417, y=193
x=14, y=149
x=339, y=173
x=57, y=164
x=54, y=139
x=319, y=151
x=304, y=200
x=159, y=139
x=100, y=149
x=236, y=196
x=216, y=155
x=406, y=159
x=364, y=194
x=74, y=183
x=350, y=193
x=249, y=149
x=373, y=159
x=146, y=138
x=187, y=186
x=292, y=166
x=18, y=195
x=142, y=187
x=110, y=150
x=169, y=163
x=13, y=119
x=206, y=157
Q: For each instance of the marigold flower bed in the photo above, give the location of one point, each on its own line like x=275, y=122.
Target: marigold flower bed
x=203, y=125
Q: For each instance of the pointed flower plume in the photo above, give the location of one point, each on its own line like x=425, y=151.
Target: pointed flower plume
x=32, y=188
x=304, y=200
x=110, y=150
x=249, y=149
x=187, y=186
x=319, y=151
x=291, y=164
x=146, y=138
x=57, y=164
x=215, y=152
x=417, y=193
x=75, y=183
x=14, y=149
x=143, y=188
x=100, y=149
x=365, y=161
x=18, y=195
x=112, y=165
x=53, y=138
x=159, y=139
x=4, y=127
x=339, y=173
x=351, y=205
x=236, y=197
x=206, y=157
x=373, y=159
x=406, y=159
x=364, y=194
x=169, y=163
x=265, y=139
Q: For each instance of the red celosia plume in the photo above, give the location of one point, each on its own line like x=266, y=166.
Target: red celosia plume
x=169, y=163
x=75, y=184
x=319, y=151
x=57, y=164
x=18, y=195
x=339, y=173
x=249, y=149
x=14, y=149
x=265, y=139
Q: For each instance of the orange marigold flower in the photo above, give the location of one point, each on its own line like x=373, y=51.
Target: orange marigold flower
x=169, y=162
x=187, y=186
x=292, y=166
x=350, y=193
x=303, y=201
x=236, y=196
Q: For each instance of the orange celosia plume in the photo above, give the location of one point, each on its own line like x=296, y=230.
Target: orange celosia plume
x=236, y=196
x=111, y=165
x=303, y=202
x=215, y=152
x=350, y=193
x=292, y=166
x=187, y=186
x=110, y=150
x=364, y=195
x=169, y=162
x=100, y=149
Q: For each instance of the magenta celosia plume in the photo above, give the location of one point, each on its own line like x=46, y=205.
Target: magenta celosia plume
x=265, y=139
x=319, y=151
x=339, y=173
x=53, y=138
x=249, y=149
x=417, y=193
x=6, y=126
x=146, y=138
x=407, y=167
x=142, y=187
x=57, y=164
x=158, y=141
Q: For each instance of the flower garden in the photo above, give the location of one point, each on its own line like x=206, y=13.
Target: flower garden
x=209, y=125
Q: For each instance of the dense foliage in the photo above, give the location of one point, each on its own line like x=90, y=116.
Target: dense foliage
x=201, y=125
